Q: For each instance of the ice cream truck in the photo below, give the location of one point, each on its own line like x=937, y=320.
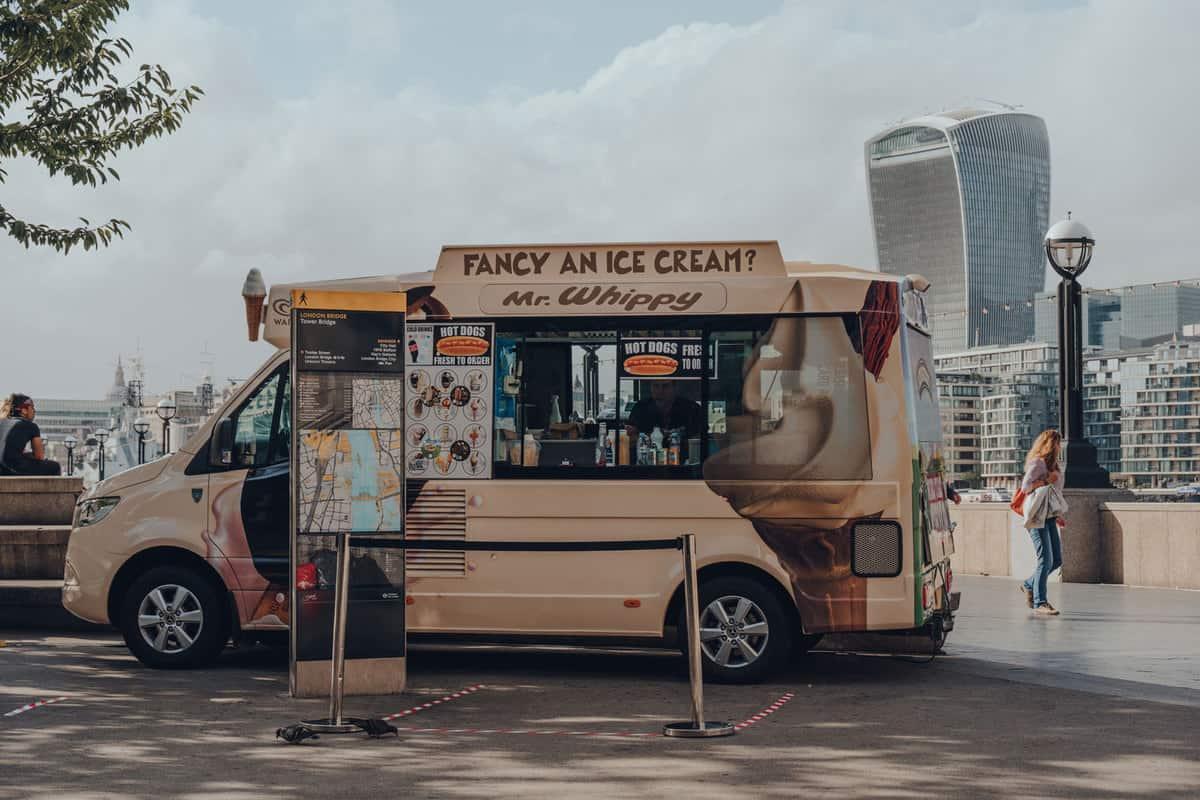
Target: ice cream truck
x=784, y=412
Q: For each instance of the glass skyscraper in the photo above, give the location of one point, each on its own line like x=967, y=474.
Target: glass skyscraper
x=963, y=198
x=1125, y=317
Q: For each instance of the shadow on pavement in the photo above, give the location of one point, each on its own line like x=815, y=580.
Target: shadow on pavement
x=859, y=725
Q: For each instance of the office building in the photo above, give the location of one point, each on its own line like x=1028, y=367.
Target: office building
x=1010, y=394
x=960, y=399
x=1160, y=417
x=1125, y=317
x=1102, y=409
x=963, y=198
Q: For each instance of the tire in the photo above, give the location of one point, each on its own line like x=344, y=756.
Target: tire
x=761, y=610
x=192, y=639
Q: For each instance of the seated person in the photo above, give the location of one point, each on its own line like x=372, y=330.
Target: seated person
x=17, y=430
x=664, y=409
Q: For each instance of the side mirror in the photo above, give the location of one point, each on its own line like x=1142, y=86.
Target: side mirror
x=220, y=446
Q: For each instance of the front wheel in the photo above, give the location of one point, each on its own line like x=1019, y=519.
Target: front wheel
x=745, y=631
x=173, y=618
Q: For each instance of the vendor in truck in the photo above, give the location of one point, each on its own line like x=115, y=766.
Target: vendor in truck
x=664, y=409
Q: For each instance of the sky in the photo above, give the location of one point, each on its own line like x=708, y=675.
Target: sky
x=356, y=138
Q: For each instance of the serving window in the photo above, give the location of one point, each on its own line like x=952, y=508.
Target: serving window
x=739, y=398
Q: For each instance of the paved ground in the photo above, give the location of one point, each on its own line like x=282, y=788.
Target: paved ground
x=1100, y=703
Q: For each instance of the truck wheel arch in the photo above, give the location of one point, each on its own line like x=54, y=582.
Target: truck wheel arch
x=152, y=557
x=731, y=569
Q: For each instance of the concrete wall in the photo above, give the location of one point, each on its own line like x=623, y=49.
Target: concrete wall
x=35, y=523
x=990, y=540
x=38, y=501
x=1105, y=541
x=1152, y=544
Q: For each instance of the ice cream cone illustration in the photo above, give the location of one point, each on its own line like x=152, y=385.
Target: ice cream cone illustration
x=254, y=292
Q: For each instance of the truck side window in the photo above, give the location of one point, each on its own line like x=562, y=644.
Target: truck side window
x=254, y=424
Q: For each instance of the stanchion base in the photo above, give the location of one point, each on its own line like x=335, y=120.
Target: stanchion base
x=312, y=729
x=326, y=725
x=689, y=730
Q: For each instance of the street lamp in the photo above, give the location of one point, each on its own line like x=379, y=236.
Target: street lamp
x=165, y=411
x=1069, y=246
x=100, y=436
x=70, y=443
x=141, y=427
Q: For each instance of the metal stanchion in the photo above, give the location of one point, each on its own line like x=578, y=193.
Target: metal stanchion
x=337, y=673
x=698, y=727
x=334, y=723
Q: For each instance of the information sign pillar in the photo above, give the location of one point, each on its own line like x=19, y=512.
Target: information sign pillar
x=347, y=475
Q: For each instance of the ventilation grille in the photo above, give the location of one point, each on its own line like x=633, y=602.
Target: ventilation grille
x=877, y=551
x=436, y=515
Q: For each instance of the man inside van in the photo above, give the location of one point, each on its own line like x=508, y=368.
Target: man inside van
x=17, y=430
x=664, y=409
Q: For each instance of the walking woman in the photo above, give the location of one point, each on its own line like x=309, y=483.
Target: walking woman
x=1042, y=468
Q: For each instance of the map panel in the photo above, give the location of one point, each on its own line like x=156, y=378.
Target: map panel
x=377, y=403
x=351, y=480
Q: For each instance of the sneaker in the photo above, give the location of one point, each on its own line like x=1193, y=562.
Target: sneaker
x=1046, y=610
x=1025, y=590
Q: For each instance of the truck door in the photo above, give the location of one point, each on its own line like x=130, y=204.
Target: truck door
x=250, y=503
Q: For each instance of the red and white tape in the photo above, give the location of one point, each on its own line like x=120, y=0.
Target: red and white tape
x=766, y=712
x=529, y=732
x=416, y=709
x=34, y=705
x=642, y=735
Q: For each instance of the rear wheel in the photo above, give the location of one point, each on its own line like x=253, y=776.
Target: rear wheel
x=174, y=618
x=745, y=630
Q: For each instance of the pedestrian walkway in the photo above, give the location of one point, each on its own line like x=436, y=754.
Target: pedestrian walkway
x=1108, y=638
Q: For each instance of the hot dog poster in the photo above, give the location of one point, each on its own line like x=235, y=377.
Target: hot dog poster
x=448, y=410
x=661, y=358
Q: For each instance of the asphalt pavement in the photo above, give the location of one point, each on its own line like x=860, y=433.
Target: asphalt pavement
x=1100, y=703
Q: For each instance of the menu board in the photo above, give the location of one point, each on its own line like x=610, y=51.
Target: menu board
x=347, y=466
x=448, y=411
x=661, y=358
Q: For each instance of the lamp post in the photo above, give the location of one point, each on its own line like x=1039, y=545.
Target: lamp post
x=141, y=427
x=165, y=411
x=1069, y=246
x=70, y=443
x=100, y=436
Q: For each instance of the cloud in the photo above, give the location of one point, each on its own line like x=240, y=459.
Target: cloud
x=708, y=130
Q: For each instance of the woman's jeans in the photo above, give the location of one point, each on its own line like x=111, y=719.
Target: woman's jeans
x=1048, y=549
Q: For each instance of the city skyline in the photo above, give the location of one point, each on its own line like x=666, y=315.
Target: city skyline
x=331, y=145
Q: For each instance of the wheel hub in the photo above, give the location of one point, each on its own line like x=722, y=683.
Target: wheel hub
x=170, y=618
x=733, y=631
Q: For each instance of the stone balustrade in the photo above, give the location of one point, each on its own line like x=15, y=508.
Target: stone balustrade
x=1106, y=540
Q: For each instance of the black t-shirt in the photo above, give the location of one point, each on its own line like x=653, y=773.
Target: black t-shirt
x=15, y=434
x=685, y=414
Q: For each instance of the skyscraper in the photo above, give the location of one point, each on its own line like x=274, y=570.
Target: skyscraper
x=963, y=198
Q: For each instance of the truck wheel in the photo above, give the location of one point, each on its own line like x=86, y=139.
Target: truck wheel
x=745, y=631
x=174, y=618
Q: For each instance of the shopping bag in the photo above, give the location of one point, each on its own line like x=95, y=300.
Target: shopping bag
x=1018, y=503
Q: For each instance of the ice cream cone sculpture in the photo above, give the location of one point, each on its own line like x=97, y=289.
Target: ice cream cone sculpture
x=254, y=292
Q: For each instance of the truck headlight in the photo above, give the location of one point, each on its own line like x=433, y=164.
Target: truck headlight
x=89, y=512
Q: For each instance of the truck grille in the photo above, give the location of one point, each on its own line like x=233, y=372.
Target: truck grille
x=440, y=515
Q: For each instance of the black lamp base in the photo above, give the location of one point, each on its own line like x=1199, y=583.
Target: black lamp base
x=1081, y=469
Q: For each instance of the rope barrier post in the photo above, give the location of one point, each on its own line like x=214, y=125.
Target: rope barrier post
x=337, y=668
x=698, y=727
